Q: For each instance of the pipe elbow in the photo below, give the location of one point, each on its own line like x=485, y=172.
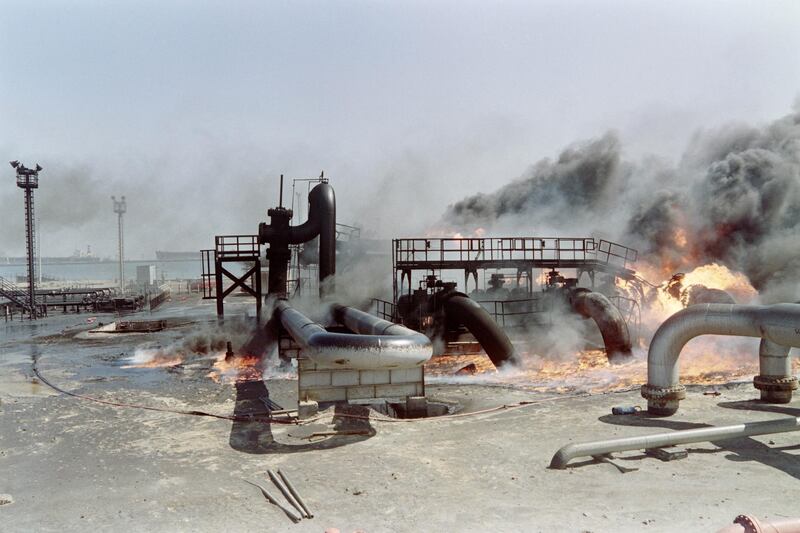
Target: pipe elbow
x=609, y=320
x=486, y=331
x=777, y=324
x=670, y=338
x=563, y=456
x=355, y=350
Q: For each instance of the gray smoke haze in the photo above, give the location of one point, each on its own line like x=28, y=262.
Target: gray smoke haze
x=733, y=198
x=194, y=113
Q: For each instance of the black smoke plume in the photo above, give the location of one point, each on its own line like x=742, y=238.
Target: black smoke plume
x=733, y=198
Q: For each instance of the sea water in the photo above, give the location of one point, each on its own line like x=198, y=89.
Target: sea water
x=105, y=270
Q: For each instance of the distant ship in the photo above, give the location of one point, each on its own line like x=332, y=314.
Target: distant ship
x=177, y=256
x=71, y=260
x=77, y=257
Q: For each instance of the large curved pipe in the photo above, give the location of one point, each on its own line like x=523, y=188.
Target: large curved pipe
x=609, y=321
x=660, y=440
x=279, y=235
x=479, y=322
x=399, y=347
x=779, y=324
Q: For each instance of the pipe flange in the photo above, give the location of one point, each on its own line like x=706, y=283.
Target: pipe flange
x=675, y=392
x=663, y=401
x=775, y=383
x=749, y=523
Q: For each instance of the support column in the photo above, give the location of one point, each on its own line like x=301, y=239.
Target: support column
x=218, y=287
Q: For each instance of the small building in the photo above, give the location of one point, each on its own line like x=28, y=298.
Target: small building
x=146, y=275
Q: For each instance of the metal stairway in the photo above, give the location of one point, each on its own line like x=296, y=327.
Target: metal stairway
x=14, y=294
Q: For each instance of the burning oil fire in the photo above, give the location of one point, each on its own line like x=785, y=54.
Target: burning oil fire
x=236, y=369
x=219, y=369
x=682, y=289
x=154, y=359
x=705, y=363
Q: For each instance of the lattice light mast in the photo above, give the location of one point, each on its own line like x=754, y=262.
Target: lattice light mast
x=28, y=179
x=119, y=208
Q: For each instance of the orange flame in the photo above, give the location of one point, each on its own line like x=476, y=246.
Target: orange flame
x=236, y=369
x=154, y=359
x=703, y=363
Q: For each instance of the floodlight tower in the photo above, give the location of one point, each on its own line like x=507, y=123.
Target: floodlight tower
x=28, y=179
x=119, y=208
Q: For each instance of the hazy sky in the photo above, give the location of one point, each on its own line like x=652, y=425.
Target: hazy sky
x=192, y=109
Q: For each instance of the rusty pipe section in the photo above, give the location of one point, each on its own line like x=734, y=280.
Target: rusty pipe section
x=609, y=321
x=687, y=436
x=778, y=324
x=397, y=347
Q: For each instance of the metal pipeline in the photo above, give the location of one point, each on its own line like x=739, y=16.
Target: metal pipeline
x=479, y=322
x=660, y=440
x=609, y=321
x=396, y=347
x=363, y=323
x=779, y=324
x=775, y=379
x=279, y=235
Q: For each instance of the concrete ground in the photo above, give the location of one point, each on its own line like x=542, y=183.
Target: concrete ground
x=71, y=464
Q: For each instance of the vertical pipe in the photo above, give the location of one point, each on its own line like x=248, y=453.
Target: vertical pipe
x=258, y=288
x=218, y=285
x=29, y=227
x=39, y=250
x=327, y=239
x=775, y=379
x=121, y=257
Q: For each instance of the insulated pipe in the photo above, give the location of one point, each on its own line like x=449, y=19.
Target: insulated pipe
x=775, y=379
x=400, y=347
x=279, y=235
x=363, y=323
x=479, y=322
x=779, y=324
x=660, y=440
x=609, y=321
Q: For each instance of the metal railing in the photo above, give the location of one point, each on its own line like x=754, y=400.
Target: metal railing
x=385, y=310
x=515, y=312
x=208, y=260
x=11, y=292
x=544, y=250
x=228, y=246
x=347, y=233
x=164, y=293
x=616, y=254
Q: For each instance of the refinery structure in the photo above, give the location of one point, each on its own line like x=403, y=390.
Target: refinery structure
x=315, y=362
x=603, y=343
